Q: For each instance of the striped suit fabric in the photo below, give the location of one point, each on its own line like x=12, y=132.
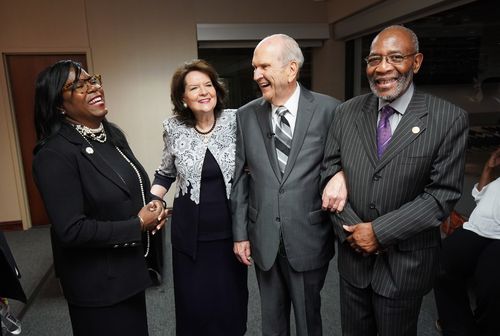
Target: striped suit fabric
x=405, y=194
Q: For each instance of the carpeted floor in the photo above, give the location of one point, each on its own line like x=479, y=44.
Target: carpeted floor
x=46, y=314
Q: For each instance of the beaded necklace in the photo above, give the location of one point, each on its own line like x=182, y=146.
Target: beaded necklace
x=98, y=134
x=142, y=192
x=207, y=134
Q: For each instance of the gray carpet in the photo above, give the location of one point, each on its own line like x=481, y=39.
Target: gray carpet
x=47, y=314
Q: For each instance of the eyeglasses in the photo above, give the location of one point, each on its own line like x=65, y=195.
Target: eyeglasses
x=83, y=85
x=394, y=59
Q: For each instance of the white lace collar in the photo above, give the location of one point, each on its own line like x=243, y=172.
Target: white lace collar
x=185, y=149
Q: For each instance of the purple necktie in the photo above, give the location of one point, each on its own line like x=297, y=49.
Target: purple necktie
x=384, y=132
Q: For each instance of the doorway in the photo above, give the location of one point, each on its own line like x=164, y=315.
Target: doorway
x=22, y=71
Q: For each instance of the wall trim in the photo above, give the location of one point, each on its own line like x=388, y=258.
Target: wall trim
x=238, y=33
x=11, y=226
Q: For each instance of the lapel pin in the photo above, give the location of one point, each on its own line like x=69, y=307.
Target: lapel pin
x=89, y=150
x=415, y=130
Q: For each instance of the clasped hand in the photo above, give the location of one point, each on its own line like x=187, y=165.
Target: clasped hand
x=362, y=238
x=153, y=216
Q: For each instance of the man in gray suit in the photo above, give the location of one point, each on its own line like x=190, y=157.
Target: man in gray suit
x=402, y=152
x=278, y=222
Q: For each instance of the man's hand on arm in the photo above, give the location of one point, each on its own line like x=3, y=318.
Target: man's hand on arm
x=243, y=253
x=335, y=193
x=362, y=238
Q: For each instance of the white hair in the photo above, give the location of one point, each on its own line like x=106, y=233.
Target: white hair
x=290, y=50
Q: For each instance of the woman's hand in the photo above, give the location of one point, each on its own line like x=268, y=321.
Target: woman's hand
x=153, y=216
x=494, y=159
x=488, y=174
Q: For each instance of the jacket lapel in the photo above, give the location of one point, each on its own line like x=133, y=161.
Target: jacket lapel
x=409, y=128
x=264, y=120
x=366, y=125
x=94, y=158
x=305, y=113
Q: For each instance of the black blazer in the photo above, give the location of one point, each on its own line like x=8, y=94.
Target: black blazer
x=10, y=287
x=96, y=236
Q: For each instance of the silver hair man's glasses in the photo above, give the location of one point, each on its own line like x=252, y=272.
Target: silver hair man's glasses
x=394, y=59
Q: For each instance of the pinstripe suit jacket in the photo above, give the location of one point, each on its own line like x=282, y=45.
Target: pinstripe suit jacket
x=406, y=194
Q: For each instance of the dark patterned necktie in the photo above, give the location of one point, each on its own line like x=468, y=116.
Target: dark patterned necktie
x=283, y=138
x=384, y=132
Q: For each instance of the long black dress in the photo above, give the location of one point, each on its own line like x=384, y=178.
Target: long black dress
x=210, y=290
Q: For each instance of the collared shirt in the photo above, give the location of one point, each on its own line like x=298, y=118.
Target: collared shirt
x=400, y=104
x=485, y=218
x=292, y=105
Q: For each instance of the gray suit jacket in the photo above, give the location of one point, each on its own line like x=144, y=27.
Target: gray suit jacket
x=406, y=194
x=263, y=202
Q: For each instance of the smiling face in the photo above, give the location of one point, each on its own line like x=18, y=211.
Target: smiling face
x=277, y=80
x=85, y=108
x=389, y=81
x=199, y=93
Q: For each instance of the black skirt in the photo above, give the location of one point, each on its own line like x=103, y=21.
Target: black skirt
x=126, y=318
x=211, y=293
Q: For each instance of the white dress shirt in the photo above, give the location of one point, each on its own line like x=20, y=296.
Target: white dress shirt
x=292, y=105
x=399, y=104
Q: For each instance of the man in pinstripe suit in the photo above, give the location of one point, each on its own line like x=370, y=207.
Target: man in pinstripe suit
x=388, y=232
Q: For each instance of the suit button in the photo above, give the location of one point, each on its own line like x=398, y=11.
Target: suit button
x=376, y=177
x=372, y=206
x=282, y=191
x=278, y=219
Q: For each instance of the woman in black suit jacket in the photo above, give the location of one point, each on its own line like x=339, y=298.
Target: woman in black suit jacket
x=94, y=190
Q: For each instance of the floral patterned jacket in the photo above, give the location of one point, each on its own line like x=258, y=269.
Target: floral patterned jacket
x=184, y=154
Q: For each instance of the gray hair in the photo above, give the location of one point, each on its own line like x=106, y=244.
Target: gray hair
x=290, y=49
x=413, y=36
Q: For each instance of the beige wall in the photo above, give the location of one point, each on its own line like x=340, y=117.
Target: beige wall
x=329, y=61
x=328, y=71
x=136, y=46
x=260, y=11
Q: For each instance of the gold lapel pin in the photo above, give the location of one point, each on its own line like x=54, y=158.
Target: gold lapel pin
x=89, y=150
x=415, y=130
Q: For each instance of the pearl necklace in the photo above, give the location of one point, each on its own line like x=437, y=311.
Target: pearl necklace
x=148, y=238
x=142, y=193
x=97, y=134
